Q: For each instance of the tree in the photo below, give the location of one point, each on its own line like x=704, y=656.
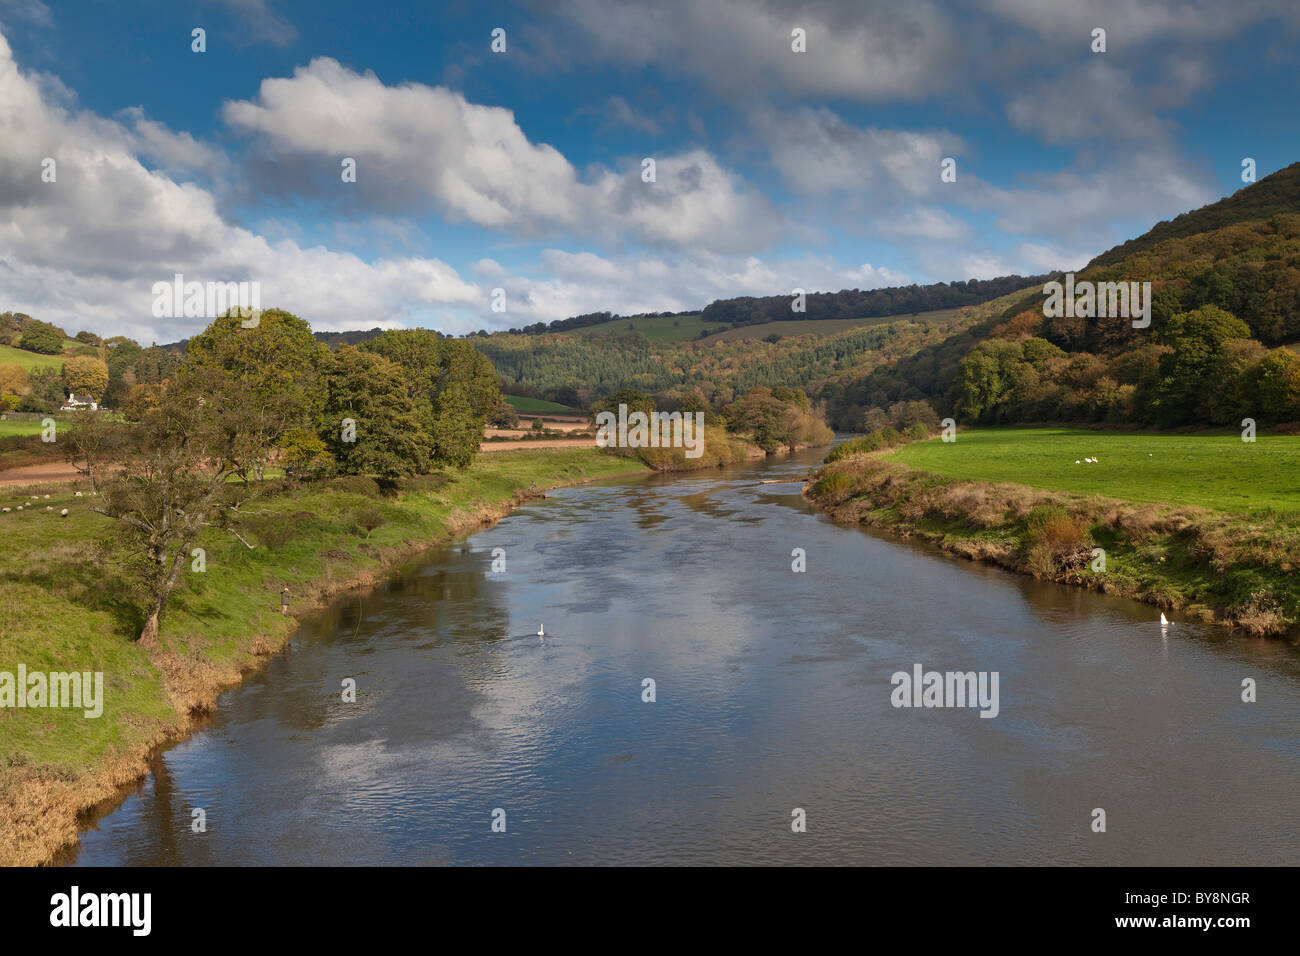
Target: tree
x=985, y=380
x=41, y=337
x=453, y=386
x=371, y=425
x=83, y=375
x=1198, y=340
x=46, y=393
x=504, y=415
x=277, y=363
x=634, y=400
x=140, y=400
x=155, y=365
x=1275, y=384
x=172, y=484
x=13, y=380
x=120, y=353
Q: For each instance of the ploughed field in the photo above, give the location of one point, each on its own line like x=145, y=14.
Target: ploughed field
x=1221, y=472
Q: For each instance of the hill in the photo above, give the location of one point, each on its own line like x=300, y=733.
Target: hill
x=660, y=328
x=30, y=360
x=1224, y=292
x=820, y=326
x=1279, y=192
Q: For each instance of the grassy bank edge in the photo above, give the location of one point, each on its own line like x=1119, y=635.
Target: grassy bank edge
x=1222, y=568
x=40, y=811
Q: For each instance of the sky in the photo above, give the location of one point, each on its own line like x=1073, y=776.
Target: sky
x=524, y=170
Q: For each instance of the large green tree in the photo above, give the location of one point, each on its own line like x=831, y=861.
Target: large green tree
x=1195, y=365
x=371, y=426
x=278, y=363
x=452, y=385
x=41, y=337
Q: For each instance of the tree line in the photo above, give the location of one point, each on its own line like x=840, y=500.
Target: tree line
x=193, y=449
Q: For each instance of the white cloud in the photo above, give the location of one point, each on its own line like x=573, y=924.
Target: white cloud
x=420, y=144
x=817, y=152
x=84, y=251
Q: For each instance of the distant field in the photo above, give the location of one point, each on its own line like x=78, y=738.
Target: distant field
x=687, y=328
x=522, y=403
x=1211, y=471
x=822, y=326
x=30, y=360
x=670, y=328
x=9, y=428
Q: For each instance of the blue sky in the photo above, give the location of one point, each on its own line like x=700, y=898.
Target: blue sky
x=521, y=170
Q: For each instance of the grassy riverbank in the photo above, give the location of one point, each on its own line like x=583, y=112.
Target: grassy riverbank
x=62, y=607
x=1189, y=523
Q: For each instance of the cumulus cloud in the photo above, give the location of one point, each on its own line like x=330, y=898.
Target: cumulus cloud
x=415, y=143
x=818, y=152
x=84, y=250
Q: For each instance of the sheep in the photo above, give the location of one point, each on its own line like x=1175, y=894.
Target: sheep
x=63, y=513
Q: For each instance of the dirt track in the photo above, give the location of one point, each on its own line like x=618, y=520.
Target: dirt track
x=57, y=471
x=538, y=443
x=60, y=472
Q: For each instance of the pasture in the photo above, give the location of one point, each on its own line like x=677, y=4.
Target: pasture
x=1220, y=472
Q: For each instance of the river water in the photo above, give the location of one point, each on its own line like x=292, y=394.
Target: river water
x=772, y=692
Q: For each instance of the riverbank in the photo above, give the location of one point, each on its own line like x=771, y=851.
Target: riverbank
x=63, y=607
x=1228, y=568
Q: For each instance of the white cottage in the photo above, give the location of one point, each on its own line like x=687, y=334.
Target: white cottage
x=79, y=403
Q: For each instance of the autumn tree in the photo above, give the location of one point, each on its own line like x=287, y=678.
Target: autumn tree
x=84, y=375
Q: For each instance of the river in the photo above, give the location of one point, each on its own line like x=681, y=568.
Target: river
x=772, y=692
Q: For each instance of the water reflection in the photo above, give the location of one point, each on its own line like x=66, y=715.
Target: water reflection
x=772, y=693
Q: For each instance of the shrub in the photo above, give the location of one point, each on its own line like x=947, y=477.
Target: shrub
x=357, y=485
x=368, y=519
x=1056, y=540
x=834, y=487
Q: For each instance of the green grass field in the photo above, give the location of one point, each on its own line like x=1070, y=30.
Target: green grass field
x=1212, y=471
x=822, y=326
x=30, y=360
x=522, y=403
x=9, y=428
